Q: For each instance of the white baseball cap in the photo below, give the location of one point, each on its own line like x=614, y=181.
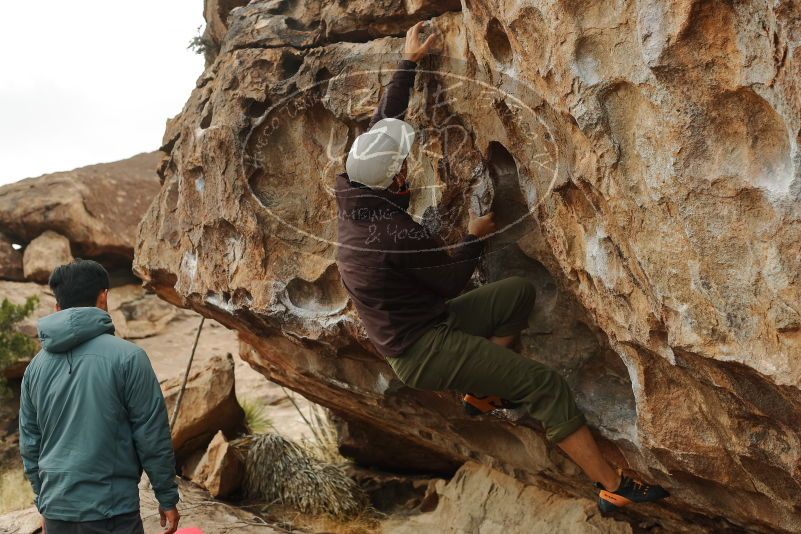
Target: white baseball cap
x=377, y=155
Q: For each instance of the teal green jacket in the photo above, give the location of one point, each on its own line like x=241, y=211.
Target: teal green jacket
x=92, y=417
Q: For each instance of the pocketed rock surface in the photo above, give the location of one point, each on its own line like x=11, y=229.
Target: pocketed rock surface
x=642, y=159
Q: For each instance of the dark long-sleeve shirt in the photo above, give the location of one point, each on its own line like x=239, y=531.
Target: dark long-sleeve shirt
x=397, y=273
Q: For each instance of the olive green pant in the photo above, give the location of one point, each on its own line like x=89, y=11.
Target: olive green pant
x=456, y=354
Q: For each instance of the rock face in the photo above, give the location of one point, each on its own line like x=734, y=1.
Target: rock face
x=208, y=406
x=479, y=499
x=44, y=254
x=643, y=162
x=96, y=207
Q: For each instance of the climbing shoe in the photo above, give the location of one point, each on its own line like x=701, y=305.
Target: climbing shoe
x=475, y=405
x=631, y=491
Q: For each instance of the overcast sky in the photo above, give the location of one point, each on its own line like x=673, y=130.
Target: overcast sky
x=91, y=81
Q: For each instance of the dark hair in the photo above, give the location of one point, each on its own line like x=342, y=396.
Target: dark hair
x=78, y=283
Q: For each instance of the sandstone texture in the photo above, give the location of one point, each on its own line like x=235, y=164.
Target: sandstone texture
x=481, y=500
x=27, y=521
x=97, y=207
x=209, y=405
x=44, y=254
x=643, y=161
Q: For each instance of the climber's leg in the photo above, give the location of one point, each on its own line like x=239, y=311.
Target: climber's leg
x=499, y=309
x=474, y=405
x=580, y=446
x=446, y=358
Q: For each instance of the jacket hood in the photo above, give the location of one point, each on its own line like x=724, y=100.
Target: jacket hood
x=66, y=329
x=359, y=202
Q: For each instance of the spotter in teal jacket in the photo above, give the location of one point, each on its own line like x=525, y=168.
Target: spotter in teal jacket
x=92, y=416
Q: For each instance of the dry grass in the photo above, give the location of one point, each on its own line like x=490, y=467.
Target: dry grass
x=367, y=522
x=15, y=491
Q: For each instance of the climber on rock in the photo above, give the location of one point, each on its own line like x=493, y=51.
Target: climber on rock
x=405, y=288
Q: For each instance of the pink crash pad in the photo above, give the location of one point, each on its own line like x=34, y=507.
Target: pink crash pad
x=190, y=530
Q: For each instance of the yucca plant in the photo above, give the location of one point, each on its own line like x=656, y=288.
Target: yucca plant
x=280, y=471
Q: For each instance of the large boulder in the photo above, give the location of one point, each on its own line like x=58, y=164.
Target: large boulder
x=643, y=162
x=209, y=405
x=96, y=207
x=44, y=254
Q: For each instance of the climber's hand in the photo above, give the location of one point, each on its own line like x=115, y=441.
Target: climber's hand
x=481, y=226
x=413, y=50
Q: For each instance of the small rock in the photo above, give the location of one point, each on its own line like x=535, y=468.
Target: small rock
x=220, y=470
x=44, y=254
x=27, y=521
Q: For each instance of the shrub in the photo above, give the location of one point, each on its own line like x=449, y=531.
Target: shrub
x=14, y=345
x=198, y=44
x=278, y=470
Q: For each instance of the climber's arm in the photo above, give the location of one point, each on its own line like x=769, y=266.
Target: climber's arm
x=428, y=263
x=395, y=100
x=424, y=257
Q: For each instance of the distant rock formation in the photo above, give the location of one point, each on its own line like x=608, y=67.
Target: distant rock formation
x=643, y=159
x=97, y=208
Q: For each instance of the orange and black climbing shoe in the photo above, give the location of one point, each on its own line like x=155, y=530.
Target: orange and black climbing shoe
x=475, y=405
x=630, y=492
